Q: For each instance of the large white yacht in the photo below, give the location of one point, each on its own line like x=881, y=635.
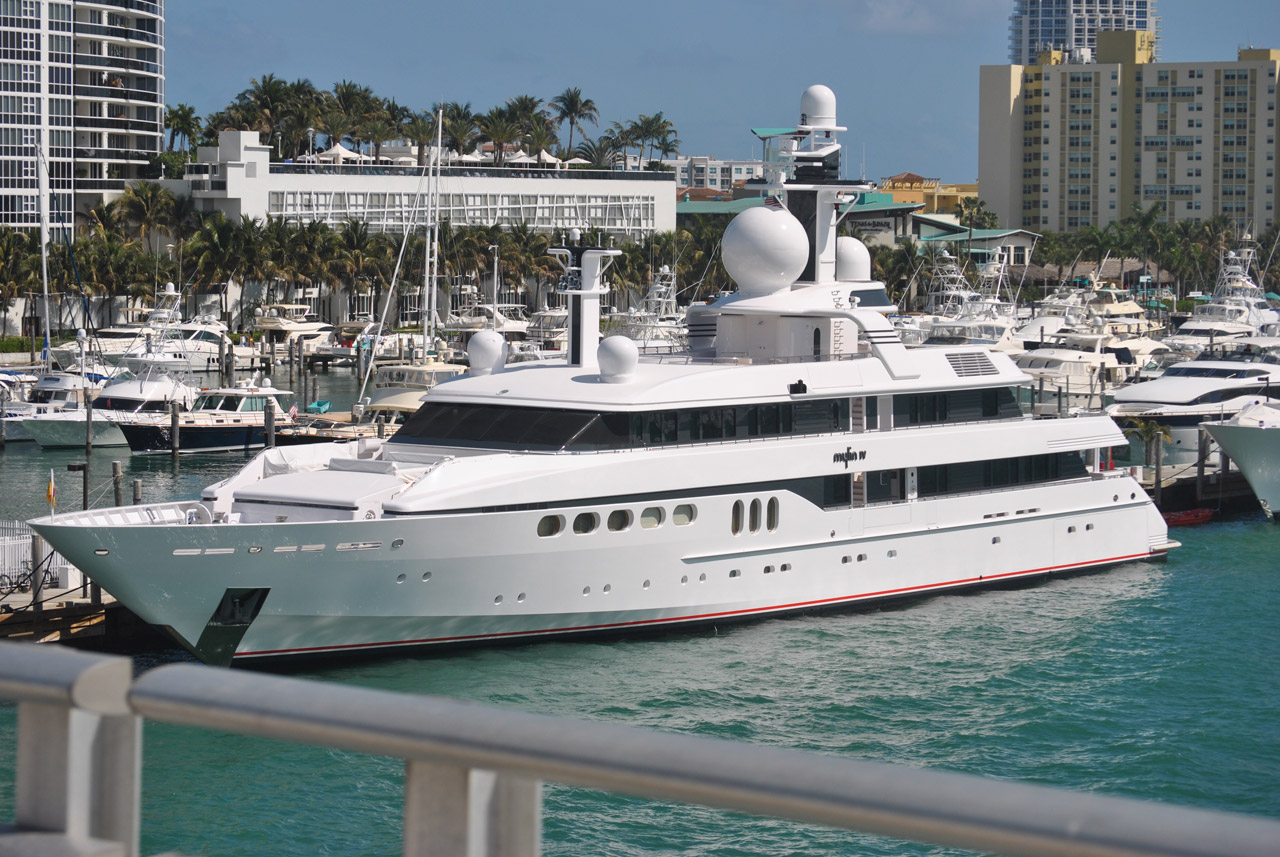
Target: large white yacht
x=808, y=461
x=1238, y=307
x=1252, y=439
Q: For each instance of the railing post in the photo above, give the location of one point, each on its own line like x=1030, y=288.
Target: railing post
x=79, y=751
x=450, y=810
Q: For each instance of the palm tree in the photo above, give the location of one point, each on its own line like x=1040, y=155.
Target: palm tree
x=570, y=106
x=17, y=268
x=459, y=127
x=540, y=138
x=1153, y=436
x=146, y=207
x=379, y=130
x=421, y=129
x=603, y=152
x=182, y=122
x=499, y=130
x=265, y=100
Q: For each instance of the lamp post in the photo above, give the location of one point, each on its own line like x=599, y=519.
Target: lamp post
x=311, y=133
x=494, y=248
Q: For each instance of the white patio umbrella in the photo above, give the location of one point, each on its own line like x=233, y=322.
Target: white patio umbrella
x=339, y=153
x=405, y=160
x=545, y=157
x=577, y=161
x=521, y=158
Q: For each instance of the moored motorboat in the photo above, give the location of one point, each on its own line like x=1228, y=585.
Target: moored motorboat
x=221, y=420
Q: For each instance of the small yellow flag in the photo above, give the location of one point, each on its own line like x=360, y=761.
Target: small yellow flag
x=52, y=494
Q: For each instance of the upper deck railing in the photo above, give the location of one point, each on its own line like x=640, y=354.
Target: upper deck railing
x=473, y=773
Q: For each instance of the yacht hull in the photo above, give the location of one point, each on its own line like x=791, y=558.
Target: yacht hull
x=1255, y=450
x=57, y=432
x=272, y=591
x=150, y=438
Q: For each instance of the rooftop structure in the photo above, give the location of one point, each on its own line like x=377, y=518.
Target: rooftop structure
x=1072, y=26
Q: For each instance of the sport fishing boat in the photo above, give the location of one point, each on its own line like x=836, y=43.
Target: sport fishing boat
x=808, y=461
x=1238, y=307
x=119, y=401
x=1252, y=439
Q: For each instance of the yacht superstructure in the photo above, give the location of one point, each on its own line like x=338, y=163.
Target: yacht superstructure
x=804, y=459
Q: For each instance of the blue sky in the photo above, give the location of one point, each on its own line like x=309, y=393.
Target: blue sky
x=905, y=72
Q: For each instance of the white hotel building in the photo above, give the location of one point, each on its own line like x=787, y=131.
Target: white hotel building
x=238, y=178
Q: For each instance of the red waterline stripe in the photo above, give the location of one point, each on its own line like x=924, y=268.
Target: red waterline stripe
x=696, y=617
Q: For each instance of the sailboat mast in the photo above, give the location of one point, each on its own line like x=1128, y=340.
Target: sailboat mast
x=42, y=185
x=433, y=236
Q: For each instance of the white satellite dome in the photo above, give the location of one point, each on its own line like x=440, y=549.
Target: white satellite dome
x=818, y=107
x=617, y=356
x=764, y=249
x=486, y=352
x=853, y=260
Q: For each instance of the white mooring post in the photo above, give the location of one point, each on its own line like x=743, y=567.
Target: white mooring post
x=78, y=775
x=453, y=811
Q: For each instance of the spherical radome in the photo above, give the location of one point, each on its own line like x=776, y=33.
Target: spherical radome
x=853, y=260
x=617, y=356
x=765, y=249
x=818, y=106
x=486, y=352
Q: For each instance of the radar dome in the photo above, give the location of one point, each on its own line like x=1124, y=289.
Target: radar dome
x=818, y=107
x=617, y=356
x=486, y=352
x=764, y=250
x=853, y=260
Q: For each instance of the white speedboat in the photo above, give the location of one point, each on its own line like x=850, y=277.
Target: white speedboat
x=121, y=400
x=1214, y=386
x=1084, y=370
x=809, y=462
x=1252, y=439
x=53, y=392
x=190, y=346
x=283, y=326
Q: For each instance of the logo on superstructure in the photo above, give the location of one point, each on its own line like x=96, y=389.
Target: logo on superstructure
x=849, y=454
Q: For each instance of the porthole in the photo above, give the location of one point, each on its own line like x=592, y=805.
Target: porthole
x=1132, y=496
x=768, y=569
x=736, y=520
x=786, y=566
x=995, y=540
x=497, y=599
x=1115, y=498
x=846, y=559
x=426, y=576
x=755, y=516
x=104, y=551
x=520, y=598
x=550, y=525
x=619, y=520
x=586, y=522
x=862, y=557
x=398, y=543
x=254, y=549
x=1088, y=526
x=1071, y=529
x=652, y=517
x=684, y=579
x=608, y=587
x=646, y=585
x=734, y=572
x=891, y=554
x=399, y=578
x=771, y=515
x=586, y=590
x=683, y=515
x=702, y=578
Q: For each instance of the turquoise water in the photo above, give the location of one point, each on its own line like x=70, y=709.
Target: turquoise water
x=1153, y=680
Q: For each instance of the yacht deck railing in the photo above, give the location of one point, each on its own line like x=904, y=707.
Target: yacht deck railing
x=473, y=773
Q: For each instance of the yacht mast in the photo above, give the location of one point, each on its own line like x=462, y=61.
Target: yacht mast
x=42, y=184
x=433, y=239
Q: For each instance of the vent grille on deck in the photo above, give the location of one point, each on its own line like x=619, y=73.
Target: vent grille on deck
x=972, y=363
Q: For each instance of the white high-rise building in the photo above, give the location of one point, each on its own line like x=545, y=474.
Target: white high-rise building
x=82, y=82
x=1072, y=26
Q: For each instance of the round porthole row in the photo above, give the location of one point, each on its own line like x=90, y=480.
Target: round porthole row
x=399, y=578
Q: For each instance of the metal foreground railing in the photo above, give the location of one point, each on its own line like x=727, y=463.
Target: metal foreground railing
x=473, y=773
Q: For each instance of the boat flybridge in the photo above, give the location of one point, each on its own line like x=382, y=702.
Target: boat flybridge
x=804, y=459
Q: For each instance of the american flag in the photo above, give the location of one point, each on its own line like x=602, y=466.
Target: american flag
x=293, y=411
x=772, y=202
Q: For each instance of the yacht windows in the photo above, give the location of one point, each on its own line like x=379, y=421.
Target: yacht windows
x=550, y=525
x=735, y=523
x=771, y=514
x=586, y=522
x=118, y=403
x=955, y=406
x=619, y=520
x=754, y=524
x=968, y=476
x=652, y=517
x=683, y=515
